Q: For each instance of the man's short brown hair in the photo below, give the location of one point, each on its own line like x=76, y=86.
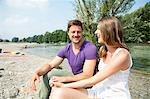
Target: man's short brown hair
x=74, y=22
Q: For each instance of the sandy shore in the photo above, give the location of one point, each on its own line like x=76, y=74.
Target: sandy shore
x=16, y=71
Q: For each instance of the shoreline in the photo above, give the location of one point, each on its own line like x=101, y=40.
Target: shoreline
x=16, y=72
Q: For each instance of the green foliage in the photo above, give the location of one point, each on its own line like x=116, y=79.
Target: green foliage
x=29, y=39
x=87, y=12
x=137, y=25
x=56, y=36
x=4, y=40
x=24, y=40
x=40, y=39
x=46, y=37
x=1, y=40
x=90, y=11
x=59, y=36
x=15, y=39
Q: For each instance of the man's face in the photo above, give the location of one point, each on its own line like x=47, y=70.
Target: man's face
x=75, y=34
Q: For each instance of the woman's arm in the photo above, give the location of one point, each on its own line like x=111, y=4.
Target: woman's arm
x=119, y=62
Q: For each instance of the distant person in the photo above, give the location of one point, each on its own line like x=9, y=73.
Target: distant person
x=111, y=82
x=81, y=56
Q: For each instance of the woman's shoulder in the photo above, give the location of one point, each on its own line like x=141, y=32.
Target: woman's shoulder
x=124, y=56
x=121, y=53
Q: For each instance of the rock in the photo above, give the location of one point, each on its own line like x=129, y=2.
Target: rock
x=1, y=69
x=11, y=93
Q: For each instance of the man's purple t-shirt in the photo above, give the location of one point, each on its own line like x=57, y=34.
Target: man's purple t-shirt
x=88, y=51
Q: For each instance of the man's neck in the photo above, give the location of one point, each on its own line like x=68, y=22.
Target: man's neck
x=78, y=45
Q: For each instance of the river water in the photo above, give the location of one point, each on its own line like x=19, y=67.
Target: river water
x=45, y=52
x=141, y=58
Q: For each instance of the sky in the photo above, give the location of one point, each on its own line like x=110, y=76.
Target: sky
x=24, y=18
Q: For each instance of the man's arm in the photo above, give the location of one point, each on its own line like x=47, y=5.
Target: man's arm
x=44, y=69
x=90, y=53
x=47, y=67
x=88, y=70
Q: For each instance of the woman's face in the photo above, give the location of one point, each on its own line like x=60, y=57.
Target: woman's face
x=99, y=35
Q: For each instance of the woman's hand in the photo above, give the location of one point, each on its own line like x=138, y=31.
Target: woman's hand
x=56, y=84
x=58, y=79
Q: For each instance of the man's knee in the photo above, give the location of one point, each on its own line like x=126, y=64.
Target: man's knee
x=44, y=88
x=47, y=76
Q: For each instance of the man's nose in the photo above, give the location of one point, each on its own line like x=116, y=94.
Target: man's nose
x=76, y=33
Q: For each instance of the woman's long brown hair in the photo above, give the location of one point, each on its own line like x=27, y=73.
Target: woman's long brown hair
x=112, y=34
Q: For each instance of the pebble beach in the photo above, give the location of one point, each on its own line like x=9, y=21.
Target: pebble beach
x=16, y=70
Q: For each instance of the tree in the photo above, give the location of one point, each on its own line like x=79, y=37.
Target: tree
x=1, y=40
x=86, y=12
x=90, y=11
x=46, y=37
x=24, y=40
x=59, y=36
x=15, y=39
x=137, y=25
x=29, y=39
x=40, y=39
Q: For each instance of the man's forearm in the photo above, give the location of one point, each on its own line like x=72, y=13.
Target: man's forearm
x=44, y=69
x=47, y=67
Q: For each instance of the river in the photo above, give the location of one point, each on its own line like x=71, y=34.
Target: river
x=46, y=52
x=140, y=54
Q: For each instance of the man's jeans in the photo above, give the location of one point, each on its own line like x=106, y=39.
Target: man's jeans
x=45, y=89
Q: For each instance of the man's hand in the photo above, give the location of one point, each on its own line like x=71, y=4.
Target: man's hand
x=33, y=80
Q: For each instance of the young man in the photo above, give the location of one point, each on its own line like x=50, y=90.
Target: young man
x=81, y=56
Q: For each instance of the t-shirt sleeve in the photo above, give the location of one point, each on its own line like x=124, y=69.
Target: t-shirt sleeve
x=91, y=52
x=62, y=52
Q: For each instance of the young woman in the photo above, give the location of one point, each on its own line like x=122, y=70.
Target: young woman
x=111, y=82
